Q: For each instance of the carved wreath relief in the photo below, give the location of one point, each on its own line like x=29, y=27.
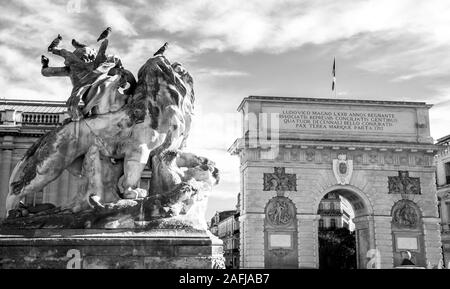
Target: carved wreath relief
x=280, y=181
x=405, y=214
x=343, y=169
x=404, y=184
x=280, y=211
x=280, y=252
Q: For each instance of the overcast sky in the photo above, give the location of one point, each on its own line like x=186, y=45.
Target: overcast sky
x=384, y=49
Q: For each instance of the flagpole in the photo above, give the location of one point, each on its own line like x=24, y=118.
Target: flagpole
x=333, y=86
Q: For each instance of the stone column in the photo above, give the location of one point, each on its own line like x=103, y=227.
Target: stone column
x=252, y=240
x=365, y=240
x=5, y=170
x=432, y=233
x=16, y=157
x=383, y=240
x=308, y=241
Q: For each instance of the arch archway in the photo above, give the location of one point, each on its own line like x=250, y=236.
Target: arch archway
x=354, y=208
x=357, y=198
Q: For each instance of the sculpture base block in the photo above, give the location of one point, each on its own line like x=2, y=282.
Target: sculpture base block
x=114, y=249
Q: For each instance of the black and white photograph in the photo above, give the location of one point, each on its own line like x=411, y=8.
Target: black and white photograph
x=225, y=135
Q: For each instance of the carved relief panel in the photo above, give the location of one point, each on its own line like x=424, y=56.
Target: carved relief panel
x=280, y=212
x=405, y=214
x=280, y=181
x=281, y=241
x=407, y=233
x=404, y=184
x=342, y=169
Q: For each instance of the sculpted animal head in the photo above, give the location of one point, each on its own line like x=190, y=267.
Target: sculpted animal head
x=162, y=87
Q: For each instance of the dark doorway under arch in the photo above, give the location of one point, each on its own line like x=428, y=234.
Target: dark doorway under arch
x=336, y=232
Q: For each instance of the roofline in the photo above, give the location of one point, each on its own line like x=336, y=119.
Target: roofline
x=33, y=102
x=224, y=211
x=228, y=217
x=330, y=100
x=443, y=140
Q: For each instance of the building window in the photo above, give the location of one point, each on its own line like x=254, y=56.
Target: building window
x=332, y=206
x=447, y=173
x=321, y=206
x=321, y=224
x=333, y=223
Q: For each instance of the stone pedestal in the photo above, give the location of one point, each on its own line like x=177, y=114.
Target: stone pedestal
x=95, y=249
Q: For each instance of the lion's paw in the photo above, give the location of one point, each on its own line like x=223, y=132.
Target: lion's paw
x=137, y=193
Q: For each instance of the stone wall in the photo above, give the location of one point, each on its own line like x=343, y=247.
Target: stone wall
x=252, y=241
x=97, y=249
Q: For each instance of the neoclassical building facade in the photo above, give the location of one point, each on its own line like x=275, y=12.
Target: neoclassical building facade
x=443, y=192
x=376, y=154
x=335, y=212
x=22, y=122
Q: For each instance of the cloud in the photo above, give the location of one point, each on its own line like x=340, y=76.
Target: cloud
x=115, y=16
x=439, y=120
x=32, y=25
x=406, y=63
x=20, y=77
x=279, y=26
x=214, y=129
x=140, y=50
x=228, y=166
x=216, y=72
x=283, y=25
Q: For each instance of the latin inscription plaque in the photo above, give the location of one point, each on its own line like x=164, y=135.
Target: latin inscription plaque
x=344, y=120
x=407, y=243
x=280, y=241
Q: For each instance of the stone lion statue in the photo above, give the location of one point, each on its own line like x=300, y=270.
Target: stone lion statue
x=117, y=133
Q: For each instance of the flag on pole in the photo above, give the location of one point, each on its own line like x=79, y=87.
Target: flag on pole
x=334, y=75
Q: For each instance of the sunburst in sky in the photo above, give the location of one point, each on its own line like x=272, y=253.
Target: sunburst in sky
x=385, y=50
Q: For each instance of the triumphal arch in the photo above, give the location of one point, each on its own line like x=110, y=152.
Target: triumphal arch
x=376, y=154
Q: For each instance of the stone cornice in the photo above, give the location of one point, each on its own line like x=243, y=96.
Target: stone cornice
x=239, y=145
x=327, y=166
x=33, y=102
x=34, y=131
x=278, y=99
